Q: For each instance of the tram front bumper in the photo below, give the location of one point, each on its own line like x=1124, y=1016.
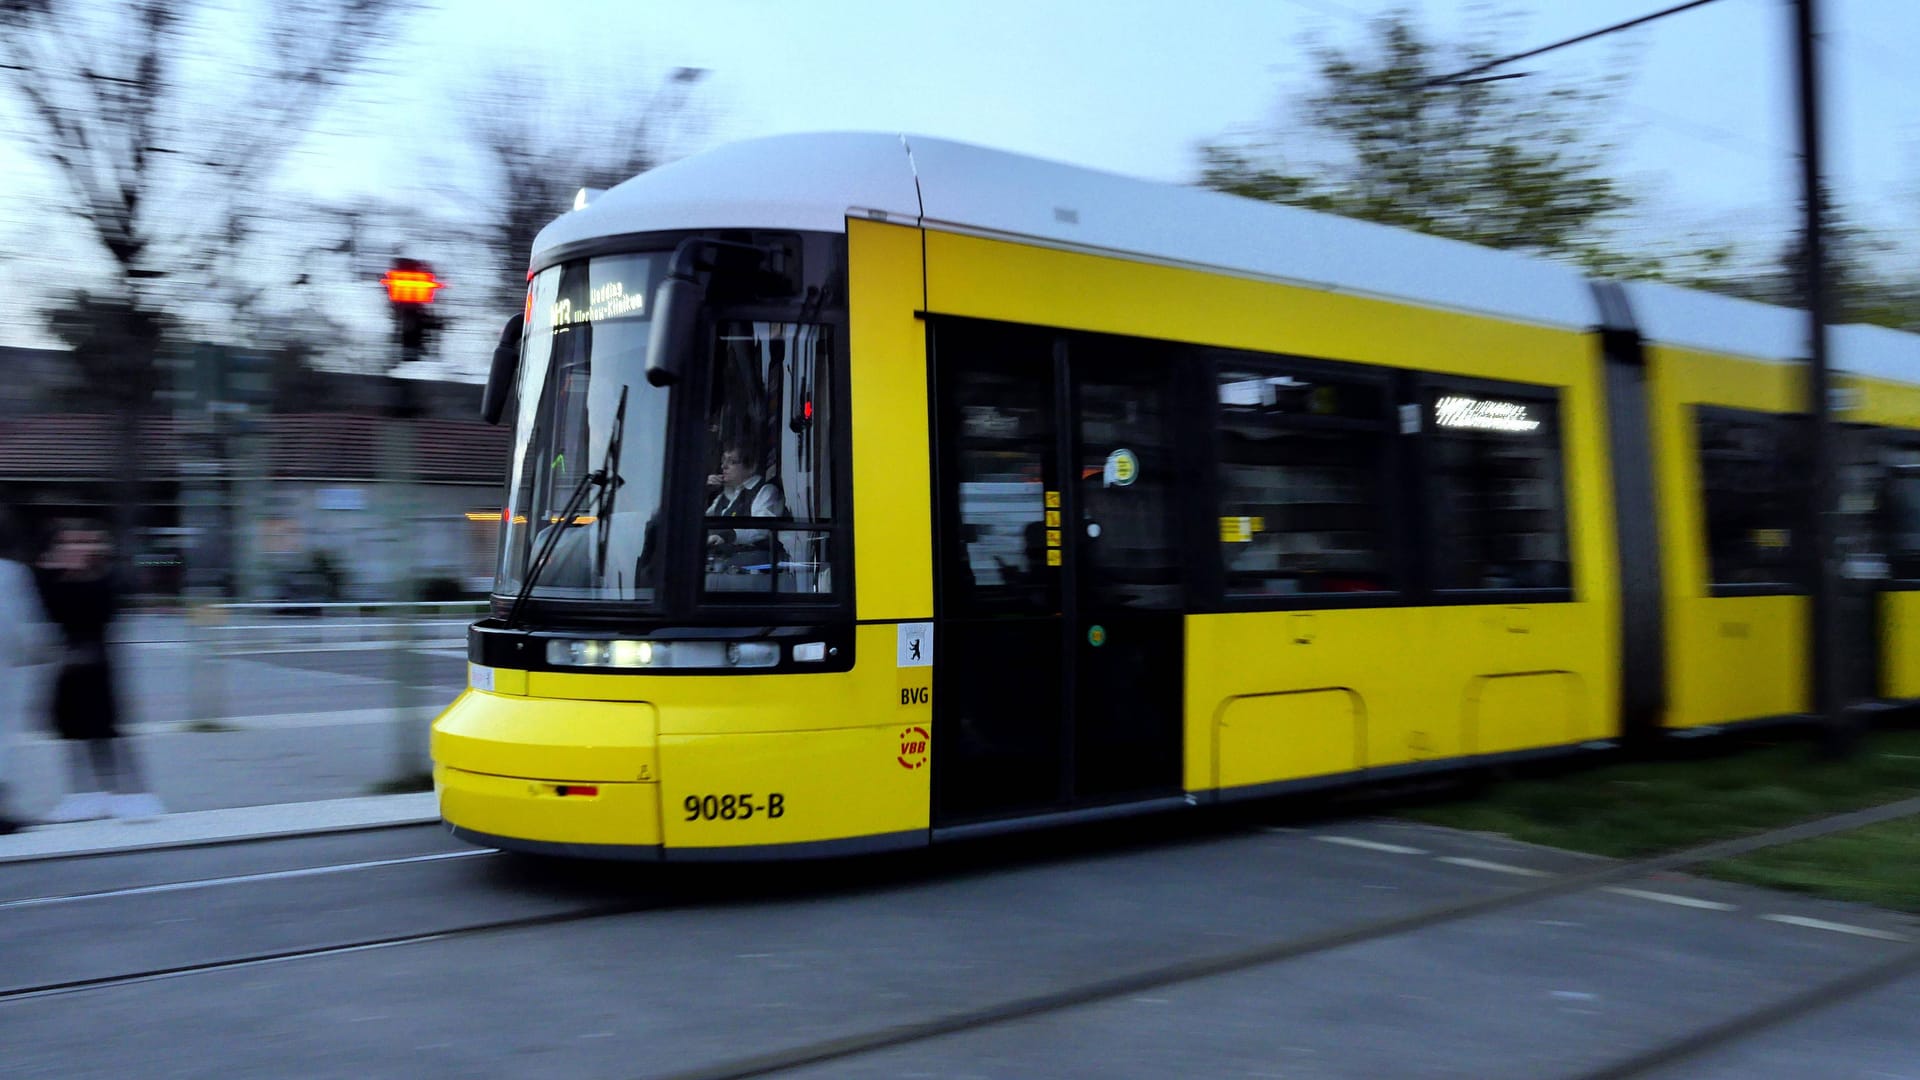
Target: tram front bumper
x=573, y=777
x=592, y=820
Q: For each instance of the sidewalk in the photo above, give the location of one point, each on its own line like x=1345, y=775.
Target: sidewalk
x=213, y=826
x=249, y=777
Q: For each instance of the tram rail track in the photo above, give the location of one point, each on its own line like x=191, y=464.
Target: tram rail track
x=1088, y=992
x=1091, y=992
x=14, y=995
x=194, y=884
x=261, y=957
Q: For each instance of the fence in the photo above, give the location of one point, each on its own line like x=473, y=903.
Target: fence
x=270, y=626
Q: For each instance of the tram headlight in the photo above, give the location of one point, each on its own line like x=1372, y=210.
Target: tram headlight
x=628, y=653
x=753, y=654
x=621, y=654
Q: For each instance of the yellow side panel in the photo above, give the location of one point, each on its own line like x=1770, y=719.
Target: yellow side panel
x=1269, y=737
x=1728, y=658
x=800, y=785
x=1900, y=644
x=548, y=740
x=626, y=814
x=1515, y=712
x=1691, y=376
x=892, y=514
x=1738, y=658
x=994, y=279
x=1412, y=674
x=1876, y=401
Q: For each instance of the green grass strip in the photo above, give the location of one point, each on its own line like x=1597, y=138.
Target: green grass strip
x=1877, y=865
x=1642, y=808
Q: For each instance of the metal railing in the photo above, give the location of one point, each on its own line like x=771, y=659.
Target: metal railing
x=216, y=633
x=230, y=629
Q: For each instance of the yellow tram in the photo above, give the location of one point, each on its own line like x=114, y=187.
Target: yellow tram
x=870, y=491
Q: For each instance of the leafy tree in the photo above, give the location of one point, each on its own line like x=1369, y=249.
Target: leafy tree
x=1858, y=286
x=1857, y=290
x=162, y=166
x=1495, y=162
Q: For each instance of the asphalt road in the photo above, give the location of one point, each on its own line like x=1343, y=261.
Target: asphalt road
x=702, y=966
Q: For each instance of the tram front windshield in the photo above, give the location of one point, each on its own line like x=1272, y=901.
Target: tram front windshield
x=585, y=406
x=589, y=471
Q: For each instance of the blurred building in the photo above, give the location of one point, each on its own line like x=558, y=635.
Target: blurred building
x=294, y=493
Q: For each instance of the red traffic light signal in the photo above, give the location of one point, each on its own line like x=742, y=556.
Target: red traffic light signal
x=409, y=281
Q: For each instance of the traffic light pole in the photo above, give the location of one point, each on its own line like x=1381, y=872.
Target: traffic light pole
x=410, y=288
x=411, y=757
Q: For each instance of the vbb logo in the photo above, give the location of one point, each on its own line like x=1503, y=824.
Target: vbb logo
x=914, y=742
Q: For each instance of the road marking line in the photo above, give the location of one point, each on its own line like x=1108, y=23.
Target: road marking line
x=1496, y=867
x=1672, y=898
x=1836, y=927
x=1371, y=845
x=237, y=879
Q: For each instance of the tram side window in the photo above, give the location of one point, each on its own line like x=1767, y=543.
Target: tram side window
x=1302, y=468
x=1903, y=511
x=770, y=507
x=1750, y=469
x=1497, y=505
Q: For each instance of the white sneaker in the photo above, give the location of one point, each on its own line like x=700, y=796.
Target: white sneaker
x=82, y=806
x=143, y=806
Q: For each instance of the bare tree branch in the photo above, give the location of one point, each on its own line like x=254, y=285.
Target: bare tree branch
x=156, y=175
x=544, y=140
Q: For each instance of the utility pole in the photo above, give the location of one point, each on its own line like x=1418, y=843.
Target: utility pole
x=1824, y=661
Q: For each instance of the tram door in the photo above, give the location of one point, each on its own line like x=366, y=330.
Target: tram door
x=1058, y=652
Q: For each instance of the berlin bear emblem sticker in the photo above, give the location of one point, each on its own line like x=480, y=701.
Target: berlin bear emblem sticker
x=914, y=663
x=915, y=644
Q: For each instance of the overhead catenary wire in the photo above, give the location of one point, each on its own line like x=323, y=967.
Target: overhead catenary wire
x=1478, y=69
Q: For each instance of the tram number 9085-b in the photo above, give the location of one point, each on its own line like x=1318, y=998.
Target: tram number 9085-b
x=733, y=807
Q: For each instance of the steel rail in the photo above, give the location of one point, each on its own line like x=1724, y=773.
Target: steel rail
x=20, y=994
x=1107, y=989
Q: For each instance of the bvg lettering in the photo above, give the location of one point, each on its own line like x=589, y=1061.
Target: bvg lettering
x=916, y=695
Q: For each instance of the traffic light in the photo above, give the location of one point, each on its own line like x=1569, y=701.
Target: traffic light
x=410, y=289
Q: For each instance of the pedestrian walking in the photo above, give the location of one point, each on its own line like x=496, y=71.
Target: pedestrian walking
x=81, y=593
x=25, y=642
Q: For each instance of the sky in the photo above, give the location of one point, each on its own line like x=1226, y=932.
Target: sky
x=1705, y=125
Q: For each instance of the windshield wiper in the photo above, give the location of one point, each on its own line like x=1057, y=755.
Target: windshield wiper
x=610, y=489
x=608, y=478
x=546, y=549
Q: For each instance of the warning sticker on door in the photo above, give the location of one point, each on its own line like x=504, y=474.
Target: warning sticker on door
x=916, y=644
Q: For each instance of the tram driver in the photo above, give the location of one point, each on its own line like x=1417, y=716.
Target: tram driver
x=743, y=493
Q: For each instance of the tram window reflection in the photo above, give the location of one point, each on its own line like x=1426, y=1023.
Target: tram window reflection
x=1497, y=516
x=1303, y=483
x=1751, y=470
x=1903, y=512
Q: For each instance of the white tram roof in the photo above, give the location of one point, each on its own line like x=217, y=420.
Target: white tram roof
x=1710, y=322
x=817, y=181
